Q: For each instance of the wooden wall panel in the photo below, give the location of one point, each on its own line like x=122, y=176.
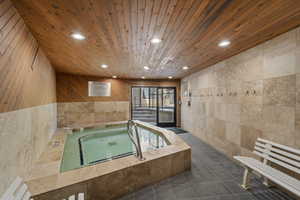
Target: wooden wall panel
x=27, y=78
x=27, y=81
x=74, y=88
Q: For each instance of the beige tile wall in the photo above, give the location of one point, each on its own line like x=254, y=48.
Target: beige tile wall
x=77, y=113
x=253, y=94
x=24, y=134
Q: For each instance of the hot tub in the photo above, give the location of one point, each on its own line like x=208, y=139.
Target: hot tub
x=106, y=168
x=96, y=145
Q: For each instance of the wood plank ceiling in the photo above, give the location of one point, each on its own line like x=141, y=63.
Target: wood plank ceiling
x=118, y=32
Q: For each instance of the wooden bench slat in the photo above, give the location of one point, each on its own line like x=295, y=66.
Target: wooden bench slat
x=8, y=195
x=27, y=196
x=81, y=196
x=262, y=150
x=21, y=192
x=278, y=157
x=287, y=154
x=251, y=162
x=278, y=162
x=281, y=155
x=290, y=149
x=72, y=197
x=276, y=176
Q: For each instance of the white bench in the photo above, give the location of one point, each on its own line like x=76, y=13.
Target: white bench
x=278, y=154
x=80, y=196
x=18, y=190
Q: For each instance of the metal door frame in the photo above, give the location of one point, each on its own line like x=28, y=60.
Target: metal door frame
x=173, y=124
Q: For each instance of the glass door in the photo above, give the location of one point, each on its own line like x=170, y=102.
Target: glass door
x=166, y=107
x=144, y=104
x=156, y=105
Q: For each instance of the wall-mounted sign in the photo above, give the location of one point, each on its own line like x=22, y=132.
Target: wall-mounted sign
x=99, y=89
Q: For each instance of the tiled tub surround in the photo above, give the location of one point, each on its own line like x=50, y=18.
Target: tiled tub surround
x=24, y=135
x=110, y=179
x=74, y=113
x=253, y=94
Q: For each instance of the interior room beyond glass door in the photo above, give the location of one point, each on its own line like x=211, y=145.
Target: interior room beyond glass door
x=144, y=104
x=156, y=105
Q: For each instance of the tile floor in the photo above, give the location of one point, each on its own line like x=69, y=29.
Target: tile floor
x=213, y=177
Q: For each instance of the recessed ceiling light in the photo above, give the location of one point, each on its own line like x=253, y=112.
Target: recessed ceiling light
x=114, y=76
x=146, y=67
x=170, y=77
x=224, y=43
x=143, y=77
x=155, y=40
x=185, y=67
x=78, y=36
x=104, y=66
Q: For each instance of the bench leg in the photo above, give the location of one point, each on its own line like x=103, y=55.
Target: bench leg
x=266, y=182
x=246, y=179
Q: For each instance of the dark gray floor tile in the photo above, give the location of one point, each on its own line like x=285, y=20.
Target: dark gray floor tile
x=163, y=183
x=185, y=190
x=210, y=198
x=237, y=197
x=179, y=179
x=166, y=195
x=213, y=177
x=211, y=189
x=234, y=187
x=147, y=193
x=271, y=194
x=130, y=196
x=164, y=190
x=222, y=175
